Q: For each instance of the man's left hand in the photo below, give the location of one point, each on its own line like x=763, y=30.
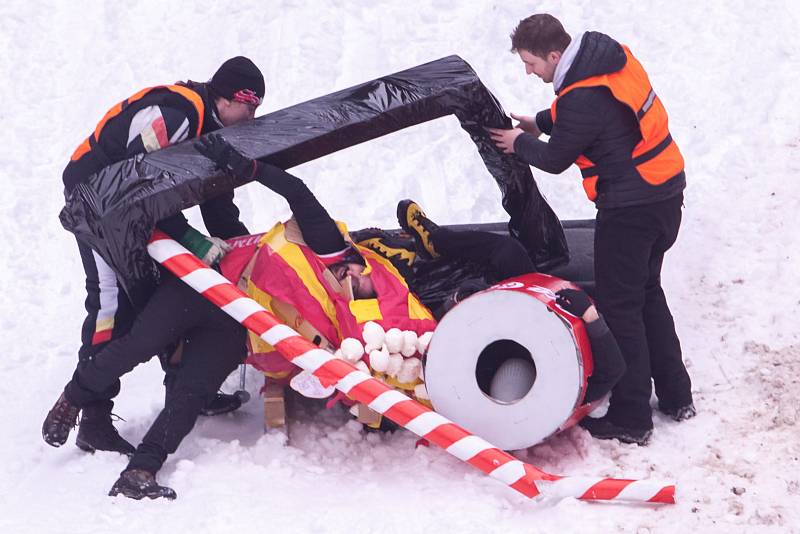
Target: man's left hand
x=504, y=139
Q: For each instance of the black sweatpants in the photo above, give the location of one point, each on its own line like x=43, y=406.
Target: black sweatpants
x=214, y=344
x=504, y=256
x=629, y=250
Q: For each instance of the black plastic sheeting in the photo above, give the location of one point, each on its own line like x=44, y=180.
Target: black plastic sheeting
x=116, y=210
x=436, y=281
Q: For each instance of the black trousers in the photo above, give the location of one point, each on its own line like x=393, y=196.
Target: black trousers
x=503, y=256
x=213, y=345
x=629, y=250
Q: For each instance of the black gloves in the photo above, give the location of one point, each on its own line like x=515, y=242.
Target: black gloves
x=217, y=149
x=574, y=301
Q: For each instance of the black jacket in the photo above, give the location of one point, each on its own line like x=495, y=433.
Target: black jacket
x=176, y=118
x=590, y=121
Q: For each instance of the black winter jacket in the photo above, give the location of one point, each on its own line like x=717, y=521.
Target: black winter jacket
x=590, y=121
x=126, y=135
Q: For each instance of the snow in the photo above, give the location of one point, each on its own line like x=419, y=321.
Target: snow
x=727, y=71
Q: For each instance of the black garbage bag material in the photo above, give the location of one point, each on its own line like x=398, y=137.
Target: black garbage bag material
x=117, y=209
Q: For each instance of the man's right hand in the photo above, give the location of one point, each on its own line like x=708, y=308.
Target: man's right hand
x=217, y=249
x=527, y=124
x=577, y=303
x=217, y=149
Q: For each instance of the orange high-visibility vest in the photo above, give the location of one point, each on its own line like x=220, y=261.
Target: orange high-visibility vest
x=185, y=92
x=656, y=156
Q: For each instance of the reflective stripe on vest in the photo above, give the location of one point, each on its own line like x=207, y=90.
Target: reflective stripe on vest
x=188, y=94
x=656, y=157
x=293, y=274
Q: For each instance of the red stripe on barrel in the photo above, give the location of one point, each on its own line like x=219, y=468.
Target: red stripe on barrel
x=446, y=434
x=606, y=489
x=405, y=411
x=182, y=264
x=222, y=294
x=260, y=322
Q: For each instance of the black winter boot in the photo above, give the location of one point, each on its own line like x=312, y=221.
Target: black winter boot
x=138, y=483
x=221, y=403
x=60, y=420
x=218, y=404
x=96, y=431
x=414, y=222
x=603, y=428
x=681, y=413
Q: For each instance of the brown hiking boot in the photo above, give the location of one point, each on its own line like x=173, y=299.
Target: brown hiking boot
x=414, y=222
x=61, y=418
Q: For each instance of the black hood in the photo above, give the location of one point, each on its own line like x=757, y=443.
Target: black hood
x=211, y=120
x=598, y=54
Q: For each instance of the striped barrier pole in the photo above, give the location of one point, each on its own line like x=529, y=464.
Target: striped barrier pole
x=408, y=413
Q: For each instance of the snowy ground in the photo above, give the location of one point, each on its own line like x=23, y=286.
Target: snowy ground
x=727, y=71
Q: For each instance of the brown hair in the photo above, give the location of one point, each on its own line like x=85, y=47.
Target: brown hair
x=539, y=34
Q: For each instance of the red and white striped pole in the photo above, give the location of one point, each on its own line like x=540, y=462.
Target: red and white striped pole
x=372, y=392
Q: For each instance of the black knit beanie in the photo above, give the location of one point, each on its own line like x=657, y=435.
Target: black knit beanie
x=236, y=74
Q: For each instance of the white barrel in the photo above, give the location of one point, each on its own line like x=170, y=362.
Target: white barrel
x=508, y=365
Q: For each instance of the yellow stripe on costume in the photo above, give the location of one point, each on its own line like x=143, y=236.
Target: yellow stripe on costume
x=366, y=310
x=257, y=344
x=417, y=310
x=293, y=255
x=372, y=257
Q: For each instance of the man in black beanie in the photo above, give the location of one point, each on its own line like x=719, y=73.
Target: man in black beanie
x=152, y=119
x=238, y=88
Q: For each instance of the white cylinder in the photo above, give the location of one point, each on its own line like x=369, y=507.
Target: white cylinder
x=479, y=340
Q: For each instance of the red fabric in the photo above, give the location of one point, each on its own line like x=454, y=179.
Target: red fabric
x=273, y=275
x=242, y=250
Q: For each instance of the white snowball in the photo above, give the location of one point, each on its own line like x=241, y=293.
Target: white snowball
x=409, y=371
x=361, y=366
x=379, y=360
x=373, y=335
x=394, y=340
x=338, y=354
x=409, y=343
x=395, y=363
x=352, y=350
x=423, y=341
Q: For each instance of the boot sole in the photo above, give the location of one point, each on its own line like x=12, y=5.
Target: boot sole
x=87, y=447
x=54, y=443
x=84, y=446
x=140, y=496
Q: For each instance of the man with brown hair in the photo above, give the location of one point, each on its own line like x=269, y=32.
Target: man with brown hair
x=607, y=119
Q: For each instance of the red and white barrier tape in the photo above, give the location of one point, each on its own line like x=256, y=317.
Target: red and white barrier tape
x=372, y=392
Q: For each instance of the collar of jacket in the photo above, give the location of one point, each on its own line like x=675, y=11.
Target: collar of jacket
x=597, y=54
x=567, y=57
